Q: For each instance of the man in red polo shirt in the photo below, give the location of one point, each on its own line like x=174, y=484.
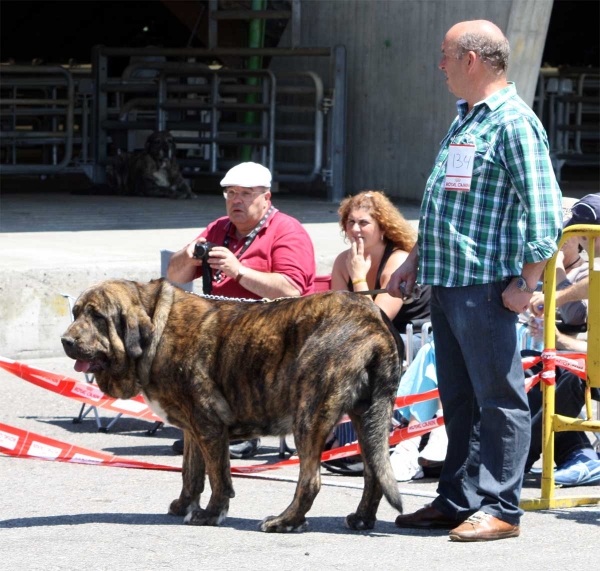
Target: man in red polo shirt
x=260, y=252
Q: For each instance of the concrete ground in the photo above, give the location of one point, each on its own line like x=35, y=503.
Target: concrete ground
x=60, y=516
x=57, y=516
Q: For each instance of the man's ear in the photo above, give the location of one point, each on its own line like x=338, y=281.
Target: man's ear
x=472, y=58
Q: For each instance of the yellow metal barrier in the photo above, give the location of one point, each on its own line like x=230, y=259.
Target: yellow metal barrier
x=553, y=422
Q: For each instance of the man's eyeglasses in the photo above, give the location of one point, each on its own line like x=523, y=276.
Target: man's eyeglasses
x=245, y=195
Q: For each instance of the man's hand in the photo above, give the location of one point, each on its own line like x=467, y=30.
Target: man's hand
x=515, y=299
x=221, y=258
x=182, y=265
x=189, y=251
x=406, y=273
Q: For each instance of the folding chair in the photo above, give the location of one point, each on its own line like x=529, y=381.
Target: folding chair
x=553, y=422
x=83, y=412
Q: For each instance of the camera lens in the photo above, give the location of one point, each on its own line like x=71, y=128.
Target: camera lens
x=201, y=250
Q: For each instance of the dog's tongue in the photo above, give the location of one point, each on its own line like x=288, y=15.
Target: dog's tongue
x=82, y=366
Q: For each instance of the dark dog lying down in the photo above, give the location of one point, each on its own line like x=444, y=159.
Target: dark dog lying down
x=224, y=370
x=152, y=172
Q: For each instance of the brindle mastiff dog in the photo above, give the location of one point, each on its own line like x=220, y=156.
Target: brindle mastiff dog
x=224, y=370
x=152, y=172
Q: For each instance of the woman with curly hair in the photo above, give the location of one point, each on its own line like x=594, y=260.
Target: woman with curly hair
x=380, y=240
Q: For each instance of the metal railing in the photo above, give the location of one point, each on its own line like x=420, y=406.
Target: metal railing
x=176, y=109
x=75, y=124
x=300, y=141
x=568, y=104
x=36, y=110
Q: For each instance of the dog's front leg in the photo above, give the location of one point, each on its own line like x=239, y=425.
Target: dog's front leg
x=193, y=475
x=216, y=452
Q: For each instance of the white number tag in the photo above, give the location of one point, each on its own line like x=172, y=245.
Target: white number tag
x=459, y=167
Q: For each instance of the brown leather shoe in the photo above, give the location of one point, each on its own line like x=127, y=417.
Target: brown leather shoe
x=427, y=518
x=483, y=527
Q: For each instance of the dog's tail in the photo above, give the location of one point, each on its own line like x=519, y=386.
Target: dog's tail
x=376, y=421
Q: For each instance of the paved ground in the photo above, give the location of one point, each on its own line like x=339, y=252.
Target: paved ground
x=57, y=516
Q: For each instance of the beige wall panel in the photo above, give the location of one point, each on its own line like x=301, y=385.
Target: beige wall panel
x=398, y=105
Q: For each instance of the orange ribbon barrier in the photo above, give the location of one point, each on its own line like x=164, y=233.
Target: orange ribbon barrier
x=23, y=444
x=90, y=394
x=83, y=392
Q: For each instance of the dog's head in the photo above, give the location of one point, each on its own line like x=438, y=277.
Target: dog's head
x=110, y=331
x=160, y=145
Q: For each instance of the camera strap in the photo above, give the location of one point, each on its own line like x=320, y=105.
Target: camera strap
x=249, y=239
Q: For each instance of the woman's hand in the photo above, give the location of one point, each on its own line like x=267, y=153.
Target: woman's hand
x=357, y=264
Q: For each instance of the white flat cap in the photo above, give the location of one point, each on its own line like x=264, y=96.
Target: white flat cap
x=248, y=175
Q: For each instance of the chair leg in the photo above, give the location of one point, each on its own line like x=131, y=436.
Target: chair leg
x=79, y=417
x=283, y=448
x=152, y=431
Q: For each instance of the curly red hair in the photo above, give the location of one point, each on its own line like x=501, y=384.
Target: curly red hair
x=396, y=229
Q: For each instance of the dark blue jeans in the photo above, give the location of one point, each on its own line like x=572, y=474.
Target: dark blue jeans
x=481, y=384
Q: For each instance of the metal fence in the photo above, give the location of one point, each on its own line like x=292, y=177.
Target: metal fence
x=290, y=122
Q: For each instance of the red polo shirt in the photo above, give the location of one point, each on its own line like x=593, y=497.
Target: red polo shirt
x=282, y=247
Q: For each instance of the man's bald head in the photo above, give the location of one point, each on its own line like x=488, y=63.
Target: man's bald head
x=485, y=39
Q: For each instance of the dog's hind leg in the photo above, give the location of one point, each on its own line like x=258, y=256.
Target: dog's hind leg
x=216, y=453
x=372, y=429
x=310, y=441
x=193, y=475
x=365, y=515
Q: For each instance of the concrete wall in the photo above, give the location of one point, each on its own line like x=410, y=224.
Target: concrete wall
x=398, y=105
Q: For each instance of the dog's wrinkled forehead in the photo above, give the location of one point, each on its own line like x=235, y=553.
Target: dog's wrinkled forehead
x=103, y=298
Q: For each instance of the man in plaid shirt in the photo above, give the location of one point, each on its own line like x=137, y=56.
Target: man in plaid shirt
x=490, y=219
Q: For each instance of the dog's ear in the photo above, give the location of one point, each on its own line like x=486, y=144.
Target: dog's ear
x=137, y=331
x=148, y=144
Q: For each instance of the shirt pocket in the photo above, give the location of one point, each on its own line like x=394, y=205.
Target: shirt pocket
x=256, y=263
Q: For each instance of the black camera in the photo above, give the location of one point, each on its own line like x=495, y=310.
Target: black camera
x=202, y=250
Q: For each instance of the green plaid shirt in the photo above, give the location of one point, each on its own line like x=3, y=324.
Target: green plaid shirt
x=512, y=213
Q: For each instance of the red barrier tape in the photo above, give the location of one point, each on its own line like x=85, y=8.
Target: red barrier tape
x=23, y=444
x=92, y=395
x=83, y=392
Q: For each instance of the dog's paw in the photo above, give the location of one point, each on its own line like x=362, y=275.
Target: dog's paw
x=199, y=516
x=181, y=507
x=273, y=524
x=357, y=523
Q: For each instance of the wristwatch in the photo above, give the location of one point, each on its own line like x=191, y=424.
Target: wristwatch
x=522, y=285
x=241, y=273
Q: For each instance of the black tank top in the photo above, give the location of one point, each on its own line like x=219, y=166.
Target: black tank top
x=417, y=310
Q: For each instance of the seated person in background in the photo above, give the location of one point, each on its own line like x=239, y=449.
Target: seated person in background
x=572, y=274
x=380, y=239
x=577, y=463
x=420, y=457
x=261, y=253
